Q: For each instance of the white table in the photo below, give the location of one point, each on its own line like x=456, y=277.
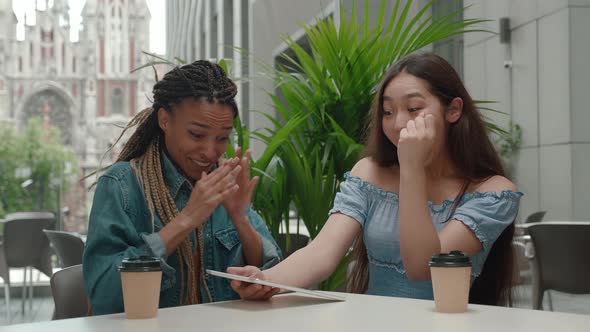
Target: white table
x=290, y=312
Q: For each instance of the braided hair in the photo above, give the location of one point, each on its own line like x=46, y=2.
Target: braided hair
x=200, y=80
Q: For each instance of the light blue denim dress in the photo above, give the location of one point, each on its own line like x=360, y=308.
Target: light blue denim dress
x=487, y=214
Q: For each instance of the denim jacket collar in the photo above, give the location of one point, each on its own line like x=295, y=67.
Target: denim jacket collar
x=172, y=175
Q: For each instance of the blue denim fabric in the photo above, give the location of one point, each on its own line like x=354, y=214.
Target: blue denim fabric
x=487, y=214
x=121, y=226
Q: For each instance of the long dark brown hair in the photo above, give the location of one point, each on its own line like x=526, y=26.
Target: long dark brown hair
x=472, y=153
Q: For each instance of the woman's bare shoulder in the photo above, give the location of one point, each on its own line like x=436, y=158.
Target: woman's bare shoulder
x=496, y=183
x=368, y=170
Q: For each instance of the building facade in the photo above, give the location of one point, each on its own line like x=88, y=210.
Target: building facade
x=212, y=30
x=85, y=87
x=538, y=77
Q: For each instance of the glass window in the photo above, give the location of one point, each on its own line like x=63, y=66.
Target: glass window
x=117, y=101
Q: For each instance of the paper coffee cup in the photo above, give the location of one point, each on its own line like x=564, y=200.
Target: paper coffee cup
x=451, y=279
x=140, y=279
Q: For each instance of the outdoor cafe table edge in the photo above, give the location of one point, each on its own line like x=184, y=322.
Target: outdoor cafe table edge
x=293, y=312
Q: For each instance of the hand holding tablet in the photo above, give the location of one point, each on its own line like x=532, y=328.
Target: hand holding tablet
x=252, y=280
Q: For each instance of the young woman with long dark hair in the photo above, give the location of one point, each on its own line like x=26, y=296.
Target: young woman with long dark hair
x=430, y=182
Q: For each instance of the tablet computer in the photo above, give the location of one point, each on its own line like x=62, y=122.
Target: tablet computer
x=319, y=294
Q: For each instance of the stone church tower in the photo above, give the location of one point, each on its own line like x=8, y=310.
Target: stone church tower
x=116, y=33
x=85, y=87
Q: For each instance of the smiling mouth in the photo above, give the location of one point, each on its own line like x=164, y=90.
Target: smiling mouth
x=201, y=163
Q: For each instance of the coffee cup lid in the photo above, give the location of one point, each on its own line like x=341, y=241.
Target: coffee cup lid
x=455, y=258
x=140, y=264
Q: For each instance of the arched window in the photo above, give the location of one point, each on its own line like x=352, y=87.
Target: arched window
x=117, y=101
x=59, y=111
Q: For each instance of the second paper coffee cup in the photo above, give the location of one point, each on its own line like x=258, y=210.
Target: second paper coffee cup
x=451, y=279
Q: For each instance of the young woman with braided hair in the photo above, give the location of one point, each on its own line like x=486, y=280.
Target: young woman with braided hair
x=169, y=196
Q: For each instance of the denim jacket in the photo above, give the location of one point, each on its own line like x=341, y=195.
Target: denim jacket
x=121, y=226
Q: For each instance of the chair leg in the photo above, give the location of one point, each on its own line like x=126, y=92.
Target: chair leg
x=7, y=299
x=22, y=308
x=30, y=289
x=549, y=300
x=537, y=291
x=538, y=299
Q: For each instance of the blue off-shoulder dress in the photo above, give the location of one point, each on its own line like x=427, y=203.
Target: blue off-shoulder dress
x=487, y=214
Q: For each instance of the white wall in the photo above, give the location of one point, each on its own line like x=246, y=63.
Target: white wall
x=545, y=92
x=580, y=106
